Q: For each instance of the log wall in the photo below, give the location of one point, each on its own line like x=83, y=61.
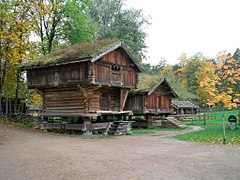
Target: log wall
x=82, y=100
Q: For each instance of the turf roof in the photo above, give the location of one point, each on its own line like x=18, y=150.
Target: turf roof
x=184, y=104
x=149, y=83
x=76, y=53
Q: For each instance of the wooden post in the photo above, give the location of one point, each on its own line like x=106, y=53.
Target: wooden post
x=64, y=123
x=238, y=118
x=130, y=118
x=87, y=126
x=149, y=120
x=91, y=75
x=123, y=98
x=44, y=124
x=192, y=115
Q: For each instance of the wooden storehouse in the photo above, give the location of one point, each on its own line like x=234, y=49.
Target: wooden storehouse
x=151, y=100
x=185, y=108
x=84, y=80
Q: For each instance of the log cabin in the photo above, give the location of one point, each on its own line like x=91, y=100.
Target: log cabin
x=84, y=80
x=151, y=100
x=185, y=109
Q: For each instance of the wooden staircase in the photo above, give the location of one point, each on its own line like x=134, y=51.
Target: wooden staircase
x=119, y=128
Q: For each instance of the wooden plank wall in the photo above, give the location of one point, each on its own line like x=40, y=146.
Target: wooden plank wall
x=102, y=73
x=126, y=76
x=135, y=103
x=62, y=75
x=159, y=99
x=115, y=68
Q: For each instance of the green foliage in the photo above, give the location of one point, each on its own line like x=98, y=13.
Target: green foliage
x=58, y=22
x=15, y=30
x=116, y=22
x=154, y=69
x=78, y=27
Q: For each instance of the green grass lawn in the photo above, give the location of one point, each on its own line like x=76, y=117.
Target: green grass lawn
x=212, y=132
x=138, y=131
x=218, y=120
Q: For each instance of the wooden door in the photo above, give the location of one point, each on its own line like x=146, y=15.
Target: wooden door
x=104, y=101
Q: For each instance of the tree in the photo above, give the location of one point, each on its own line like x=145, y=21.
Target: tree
x=228, y=75
x=189, y=65
x=207, y=84
x=154, y=69
x=169, y=73
x=236, y=57
x=60, y=21
x=116, y=22
x=14, y=33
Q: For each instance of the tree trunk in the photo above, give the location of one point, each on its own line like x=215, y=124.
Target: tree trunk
x=6, y=109
x=16, y=92
x=10, y=108
x=208, y=113
x=223, y=127
x=3, y=73
x=204, y=118
x=199, y=114
x=214, y=115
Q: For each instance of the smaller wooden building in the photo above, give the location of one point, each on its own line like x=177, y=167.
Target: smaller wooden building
x=151, y=100
x=184, y=108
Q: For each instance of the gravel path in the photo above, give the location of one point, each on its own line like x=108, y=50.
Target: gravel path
x=28, y=154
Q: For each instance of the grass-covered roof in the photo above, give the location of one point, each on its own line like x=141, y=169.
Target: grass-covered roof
x=146, y=82
x=76, y=53
x=184, y=104
x=149, y=83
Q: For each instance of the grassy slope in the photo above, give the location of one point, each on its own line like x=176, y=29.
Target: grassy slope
x=213, y=131
x=218, y=120
x=137, y=131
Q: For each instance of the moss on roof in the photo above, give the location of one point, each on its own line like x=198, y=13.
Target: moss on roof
x=75, y=53
x=146, y=82
x=184, y=104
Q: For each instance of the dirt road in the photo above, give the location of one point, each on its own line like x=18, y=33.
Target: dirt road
x=28, y=154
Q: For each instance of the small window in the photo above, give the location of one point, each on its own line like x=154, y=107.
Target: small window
x=116, y=68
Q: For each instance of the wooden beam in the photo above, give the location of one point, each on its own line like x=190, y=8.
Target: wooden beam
x=123, y=98
x=91, y=73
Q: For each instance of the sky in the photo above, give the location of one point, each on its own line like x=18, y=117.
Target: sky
x=189, y=26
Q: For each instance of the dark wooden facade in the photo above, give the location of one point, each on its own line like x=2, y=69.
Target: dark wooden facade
x=155, y=101
x=86, y=86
